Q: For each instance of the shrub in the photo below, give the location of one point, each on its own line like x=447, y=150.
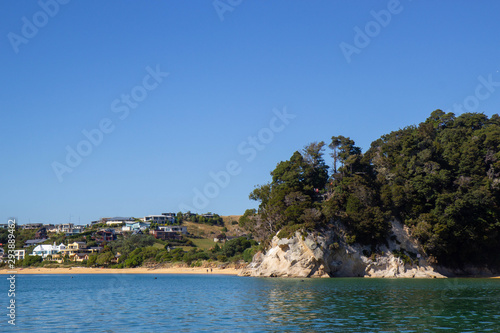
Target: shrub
x=350, y=240
x=289, y=230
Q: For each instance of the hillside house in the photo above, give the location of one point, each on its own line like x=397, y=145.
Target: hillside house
x=104, y=235
x=165, y=235
x=159, y=219
x=220, y=238
x=41, y=233
x=31, y=242
x=30, y=226
x=133, y=226
x=117, y=220
x=172, y=228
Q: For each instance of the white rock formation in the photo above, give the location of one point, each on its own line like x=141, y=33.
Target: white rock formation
x=327, y=255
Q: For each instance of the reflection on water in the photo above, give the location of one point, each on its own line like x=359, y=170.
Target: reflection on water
x=166, y=303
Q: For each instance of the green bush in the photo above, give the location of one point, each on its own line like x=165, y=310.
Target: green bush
x=289, y=230
x=350, y=239
x=31, y=261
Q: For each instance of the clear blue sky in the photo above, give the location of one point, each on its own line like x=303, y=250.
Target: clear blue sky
x=225, y=79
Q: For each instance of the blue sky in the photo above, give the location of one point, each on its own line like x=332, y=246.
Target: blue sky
x=231, y=70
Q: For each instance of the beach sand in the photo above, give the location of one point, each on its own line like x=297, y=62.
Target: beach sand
x=140, y=270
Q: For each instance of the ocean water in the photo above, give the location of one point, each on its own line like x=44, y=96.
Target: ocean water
x=215, y=303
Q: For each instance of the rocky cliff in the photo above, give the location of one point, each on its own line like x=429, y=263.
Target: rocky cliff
x=327, y=254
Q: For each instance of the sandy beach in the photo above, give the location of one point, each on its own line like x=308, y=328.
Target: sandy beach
x=140, y=270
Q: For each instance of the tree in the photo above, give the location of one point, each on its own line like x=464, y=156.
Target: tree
x=344, y=151
x=440, y=178
x=92, y=260
x=104, y=258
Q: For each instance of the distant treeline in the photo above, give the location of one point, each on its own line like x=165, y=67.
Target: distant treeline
x=440, y=178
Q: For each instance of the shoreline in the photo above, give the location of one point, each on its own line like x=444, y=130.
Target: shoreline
x=138, y=270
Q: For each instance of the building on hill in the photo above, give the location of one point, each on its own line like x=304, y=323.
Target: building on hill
x=65, y=227
x=73, y=248
x=171, y=217
x=31, y=242
x=75, y=230
x=95, y=249
x=104, y=235
x=116, y=220
x=50, y=227
x=32, y=226
x=41, y=233
x=222, y=238
x=176, y=228
x=133, y=226
x=165, y=235
x=19, y=255
x=80, y=257
x=159, y=219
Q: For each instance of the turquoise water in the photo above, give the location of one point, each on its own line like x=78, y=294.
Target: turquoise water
x=214, y=303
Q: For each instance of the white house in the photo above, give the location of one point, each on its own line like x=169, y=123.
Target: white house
x=173, y=228
x=160, y=219
x=19, y=254
x=117, y=220
x=47, y=249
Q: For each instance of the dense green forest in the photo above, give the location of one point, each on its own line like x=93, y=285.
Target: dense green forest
x=440, y=178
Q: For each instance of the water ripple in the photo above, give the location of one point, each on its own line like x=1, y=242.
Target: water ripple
x=210, y=303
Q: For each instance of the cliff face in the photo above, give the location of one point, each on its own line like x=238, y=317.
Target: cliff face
x=327, y=254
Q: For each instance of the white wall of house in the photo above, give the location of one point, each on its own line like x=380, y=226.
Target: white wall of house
x=47, y=249
x=19, y=254
x=173, y=228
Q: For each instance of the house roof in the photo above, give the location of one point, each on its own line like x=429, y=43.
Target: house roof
x=43, y=247
x=34, y=241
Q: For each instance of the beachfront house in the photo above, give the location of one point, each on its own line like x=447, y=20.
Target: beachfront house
x=47, y=249
x=80, y=257
x=74, y=248
x=19, y=254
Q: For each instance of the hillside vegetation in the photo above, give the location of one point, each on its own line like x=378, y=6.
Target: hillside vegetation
x=440, y=178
